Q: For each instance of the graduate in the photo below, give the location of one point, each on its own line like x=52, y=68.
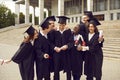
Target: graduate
x=84, y=26
x=24, y=56
x=76, y=54
x=61, y=40
x=42, y=49
x=83, y=30
x=94, y=53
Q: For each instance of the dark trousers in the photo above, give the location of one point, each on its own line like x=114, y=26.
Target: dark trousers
x=98, y=78
x=89, y=78
x=68, y=75
x=76, y=77
x=56, y=75
x=45, y=77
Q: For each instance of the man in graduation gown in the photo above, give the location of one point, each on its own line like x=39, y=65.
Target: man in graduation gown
x=42, y=49
x=83, y=30
x=24, y=56
x=61, y=41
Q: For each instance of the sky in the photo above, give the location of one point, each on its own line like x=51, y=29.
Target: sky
x=11, y=5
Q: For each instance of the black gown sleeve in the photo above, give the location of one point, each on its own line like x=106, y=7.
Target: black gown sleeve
x=22, y=53
x=70, y=39
x=51, y=38
x=37, y=49
x=94, y=46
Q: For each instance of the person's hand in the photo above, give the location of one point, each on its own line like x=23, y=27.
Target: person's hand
x=100, y=39
x=65, y=47
x=2, y=61
x=46, y=56
x=79, y=48
x=7, y=61
x=85, y=48
x=67, y=27
x=57, y=49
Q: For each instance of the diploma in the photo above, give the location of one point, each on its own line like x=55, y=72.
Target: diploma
x=100, y=33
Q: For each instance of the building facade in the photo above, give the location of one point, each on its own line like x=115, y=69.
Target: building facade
x=104, y=10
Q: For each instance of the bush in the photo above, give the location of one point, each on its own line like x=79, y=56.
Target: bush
x=7, y=18
x=22, y=18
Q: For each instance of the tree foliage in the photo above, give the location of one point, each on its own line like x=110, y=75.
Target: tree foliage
x=36, y=19
x=21, y=17
x=7, y=18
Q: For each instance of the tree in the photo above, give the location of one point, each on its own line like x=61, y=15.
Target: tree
x=7, y=18
x=22, y=18
x=36, y=19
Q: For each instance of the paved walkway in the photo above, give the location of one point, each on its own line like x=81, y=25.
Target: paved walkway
x=111, y=67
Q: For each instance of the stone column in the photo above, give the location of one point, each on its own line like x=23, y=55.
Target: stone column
x=89, y=5
x=60, y=7
x=41, y=9
x=33, y=16
x=107, y=14
x=115, y=16
x=17, y=11
x=82, y=7
x=27, y=11
x=54, y=9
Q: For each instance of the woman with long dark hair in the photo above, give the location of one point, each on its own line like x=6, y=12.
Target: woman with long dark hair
x=24, y=56
x=94, y=53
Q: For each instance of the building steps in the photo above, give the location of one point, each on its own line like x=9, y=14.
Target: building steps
x=111, y=48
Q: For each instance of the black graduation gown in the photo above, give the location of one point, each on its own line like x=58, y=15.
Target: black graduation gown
x=76, y=60
x=42, y=46
x=94, y=57
x=24, y=57
x=83, y=30
x=62, y=59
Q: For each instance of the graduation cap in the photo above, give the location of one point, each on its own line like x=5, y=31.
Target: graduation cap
x=89, y=14
x=45, y=22
x=30, y=30
x=62, y=19
x=95, y=21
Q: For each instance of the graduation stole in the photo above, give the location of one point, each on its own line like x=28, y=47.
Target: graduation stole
x=77, y=40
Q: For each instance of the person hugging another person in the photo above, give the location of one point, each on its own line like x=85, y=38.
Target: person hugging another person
x=24, y=56
x=42, y=49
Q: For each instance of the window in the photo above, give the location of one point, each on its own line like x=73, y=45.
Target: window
x=111, y=16
x=76, y=19
x=118, y=16
x=68, y=20
x=114, y=4
x=80, y=18
x=74, y=6
x=99, y=5
x=72, y=19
